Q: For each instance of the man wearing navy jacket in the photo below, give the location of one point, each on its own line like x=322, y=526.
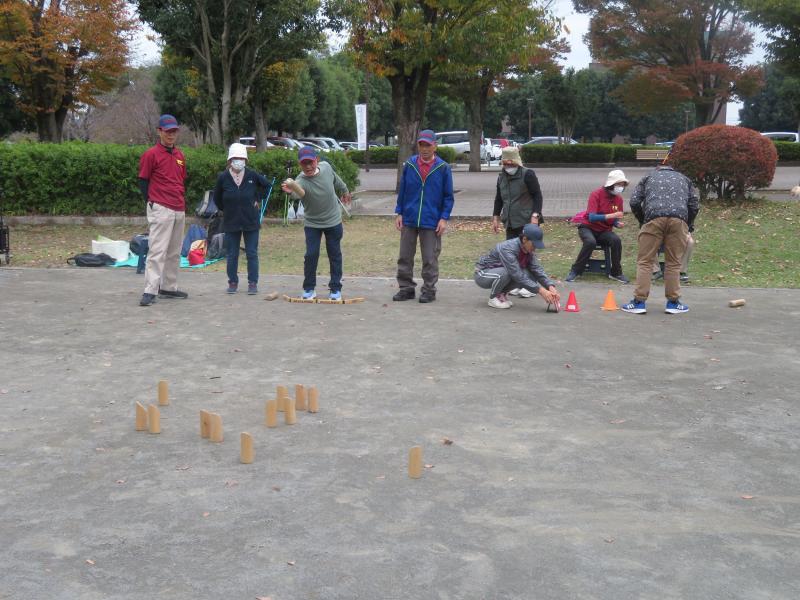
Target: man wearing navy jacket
x=424, y=203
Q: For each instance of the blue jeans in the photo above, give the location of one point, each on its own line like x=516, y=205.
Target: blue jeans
x=232, y=240
x=333, y=245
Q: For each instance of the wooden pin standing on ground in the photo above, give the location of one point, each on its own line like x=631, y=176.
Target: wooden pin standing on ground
x=272, y=413
x=215, y=432
x=290, y=414
x=313, y=399
x=300, y=397
x=415, y=462
x=246, y=454
x=163, y=393
x=153, y=419
x=205, y=425
x=283, y=394
x=141, y=417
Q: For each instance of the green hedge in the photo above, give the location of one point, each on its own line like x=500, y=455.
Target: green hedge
x=102, y=179
x=788, y=150
x=572, y=153
x=387, y=155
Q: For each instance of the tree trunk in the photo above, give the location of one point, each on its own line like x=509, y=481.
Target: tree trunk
x=408, y=101
x=46, y=127
x=475, y=107
x=260, y=122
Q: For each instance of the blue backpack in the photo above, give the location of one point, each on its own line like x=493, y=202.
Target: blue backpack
x=195, y=233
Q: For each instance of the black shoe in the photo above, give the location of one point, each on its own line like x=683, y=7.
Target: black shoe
x=174, y=294
x=404, y=294
x=684, y=277
x=658, y=275
x=621, y=278
x=147, y=299
x=426, y=297
x=571, y=276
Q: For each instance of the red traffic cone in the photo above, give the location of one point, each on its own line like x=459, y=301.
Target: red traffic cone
x=572, y=303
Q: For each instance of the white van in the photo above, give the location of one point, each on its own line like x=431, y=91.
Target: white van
x=459, y=141
x=783, y=136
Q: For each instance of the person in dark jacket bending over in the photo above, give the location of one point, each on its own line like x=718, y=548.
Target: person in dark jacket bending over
x=236, y=194
x=665, y=204
x=513, y=264
x=518, y=200
x=423, y=208
x=603, y=214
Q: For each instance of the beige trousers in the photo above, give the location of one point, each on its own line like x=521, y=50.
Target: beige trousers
x=672, y=233
x=164, y=255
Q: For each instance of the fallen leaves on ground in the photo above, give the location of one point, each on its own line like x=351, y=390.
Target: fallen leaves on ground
x=447, y=441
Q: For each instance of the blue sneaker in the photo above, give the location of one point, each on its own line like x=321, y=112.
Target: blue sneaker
x=335, y=295
x=309, y=294
x=635, y=306
x=674, y=307
x=571, y=276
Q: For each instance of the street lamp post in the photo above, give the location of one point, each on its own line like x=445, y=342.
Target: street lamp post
x=530, y=131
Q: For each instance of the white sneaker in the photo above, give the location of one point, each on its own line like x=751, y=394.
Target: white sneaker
x=522, y=293
x=496, y=303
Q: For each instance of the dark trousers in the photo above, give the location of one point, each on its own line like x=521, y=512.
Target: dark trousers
x=232, y=241
x=592, y=239
x=513, y=232
x=333, y=246
x=430, y=246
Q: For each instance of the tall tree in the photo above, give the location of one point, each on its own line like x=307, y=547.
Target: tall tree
x=404, y=41
x=62, y=53
x=674, y=51
x=230, y=43
x=480, y=56
x=560, y=98
x=781, y=20
x=777, y=106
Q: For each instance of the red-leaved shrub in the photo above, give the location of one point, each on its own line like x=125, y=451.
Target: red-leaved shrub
x=725, y=160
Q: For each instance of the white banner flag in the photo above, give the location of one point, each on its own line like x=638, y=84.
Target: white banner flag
x=361, y=125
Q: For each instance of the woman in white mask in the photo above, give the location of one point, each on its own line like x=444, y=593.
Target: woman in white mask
x=596, y=226
x=518, y=200
x=237, y=195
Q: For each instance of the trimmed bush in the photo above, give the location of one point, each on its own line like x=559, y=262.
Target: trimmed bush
x=77, y=178
x=568, y=153
x=725, y=160
x=387, y=155
x=788, y=150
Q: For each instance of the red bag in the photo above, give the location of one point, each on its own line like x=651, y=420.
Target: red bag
x=581, y=218
x=197, y=254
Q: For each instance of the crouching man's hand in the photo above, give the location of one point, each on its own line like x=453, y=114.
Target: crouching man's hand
x=550, y=295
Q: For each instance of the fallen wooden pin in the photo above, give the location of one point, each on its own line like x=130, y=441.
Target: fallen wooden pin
x=323, y=300
x=737, y=303
x=271, y=296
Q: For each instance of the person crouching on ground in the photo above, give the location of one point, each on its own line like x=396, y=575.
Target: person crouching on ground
x=320, y=188
x=513, y=264
x=236, y=194
x=603, y=213
x=517, y=201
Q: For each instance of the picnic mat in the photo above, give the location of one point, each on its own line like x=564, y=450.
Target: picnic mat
x=133, y=261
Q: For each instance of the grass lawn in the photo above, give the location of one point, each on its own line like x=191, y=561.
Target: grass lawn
x=748, y=245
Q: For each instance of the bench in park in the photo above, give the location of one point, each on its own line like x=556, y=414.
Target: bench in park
x=651, y=154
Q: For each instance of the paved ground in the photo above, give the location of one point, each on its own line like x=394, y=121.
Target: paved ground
x=595, y=455
x=564, y=189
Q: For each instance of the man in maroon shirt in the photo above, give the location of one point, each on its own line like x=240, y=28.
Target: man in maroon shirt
x=162, y=171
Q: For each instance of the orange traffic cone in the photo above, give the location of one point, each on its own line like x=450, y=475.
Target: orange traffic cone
x=610, y=303
x=572, y=303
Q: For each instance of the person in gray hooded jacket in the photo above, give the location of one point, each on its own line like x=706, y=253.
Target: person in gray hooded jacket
x=512, y=264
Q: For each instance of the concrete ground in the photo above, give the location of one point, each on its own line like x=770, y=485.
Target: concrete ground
x=594, y=455
x=564, y=190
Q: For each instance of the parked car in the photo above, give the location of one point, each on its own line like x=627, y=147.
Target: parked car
x=319, y=148
x=459, y=141
x=495, y=148
x=250, y=143
x=783, y=136
x=349, y=145
x=285, y=142
x=326, y=141
x=666, y=144
x=547, y=139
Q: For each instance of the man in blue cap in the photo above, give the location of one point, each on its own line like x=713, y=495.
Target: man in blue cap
x=424, y=203
x=162, y=172
x=320, y=189
x=512, y=264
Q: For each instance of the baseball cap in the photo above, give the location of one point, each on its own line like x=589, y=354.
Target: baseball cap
x=167, y=122
x=427, y=136
x=535, y=234
x=306, y=153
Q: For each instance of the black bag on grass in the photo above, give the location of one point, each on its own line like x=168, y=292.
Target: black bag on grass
x=87, y=259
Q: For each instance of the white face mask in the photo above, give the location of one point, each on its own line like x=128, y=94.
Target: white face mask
x=618, y=189
x=510, y=170
x=237, y=164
